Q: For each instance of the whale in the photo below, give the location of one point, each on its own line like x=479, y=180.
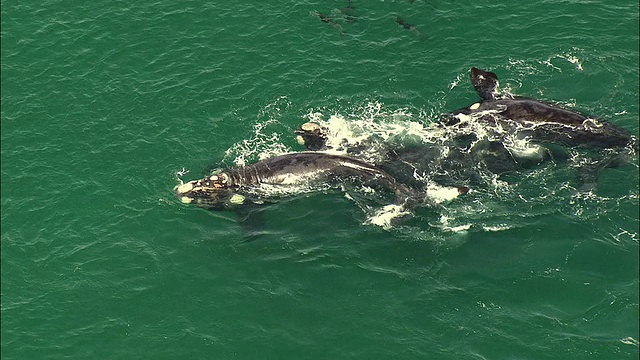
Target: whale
x=459, y=158
x=457, y=165
x=537, y=120
x=312, y=136
x=286, y=175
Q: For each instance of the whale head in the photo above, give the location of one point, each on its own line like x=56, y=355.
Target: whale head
x=312, y=136
x=485, y=83
x=211, y=192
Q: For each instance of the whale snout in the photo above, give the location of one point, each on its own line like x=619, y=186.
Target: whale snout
x=209, y=191
x=312, y=136
x=184, y=188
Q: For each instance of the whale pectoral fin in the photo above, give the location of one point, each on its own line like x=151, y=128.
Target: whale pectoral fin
x=557, y=153
x=485, y=83
x=588, y=173
x=587, y=179
x=252, y=223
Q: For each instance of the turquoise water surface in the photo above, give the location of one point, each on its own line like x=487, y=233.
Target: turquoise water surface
x=106, y=104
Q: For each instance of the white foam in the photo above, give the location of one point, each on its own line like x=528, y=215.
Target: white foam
x=630, y=341
x=459, y=228
x=569, y=57
x=524, y=148
x=384, y=217
x=440, y=194
x=496, y=228
x=574, y=60
x=372, y=131
x=444, y=225
x=297, y=179
x=271, y=191
x=262, y=145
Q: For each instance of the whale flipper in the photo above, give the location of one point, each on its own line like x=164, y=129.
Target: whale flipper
x=485, y=83
x=252, y=223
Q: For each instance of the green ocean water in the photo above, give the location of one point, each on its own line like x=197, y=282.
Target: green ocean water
x=104, y=103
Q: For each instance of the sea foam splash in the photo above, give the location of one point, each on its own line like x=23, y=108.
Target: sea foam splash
x=385, y=216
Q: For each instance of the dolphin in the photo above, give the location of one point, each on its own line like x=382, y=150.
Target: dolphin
x=409, y=27
x=348, y=13
x=327, y=19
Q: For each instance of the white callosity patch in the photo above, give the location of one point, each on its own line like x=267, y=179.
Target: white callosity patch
x=592, y=124
x=237, y=199
x=309, y=126
x=184, y=188
x=220, y=177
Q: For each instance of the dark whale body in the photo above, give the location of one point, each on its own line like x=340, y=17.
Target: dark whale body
x=538, y=120
x=467, y=159
x=311, y=170
x=456, y=162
